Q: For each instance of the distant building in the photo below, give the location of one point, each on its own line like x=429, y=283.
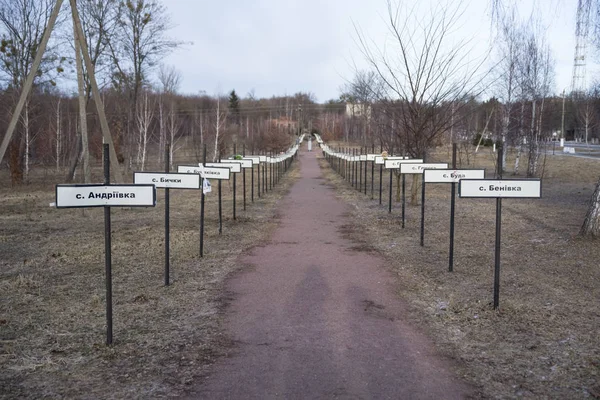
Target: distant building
x=358, y=110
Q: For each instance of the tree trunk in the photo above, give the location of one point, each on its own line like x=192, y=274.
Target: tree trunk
x=27, y=139
x=87, y=172
x=591, y=224
x=415, y=189
x=74, y=159
x=58, y=136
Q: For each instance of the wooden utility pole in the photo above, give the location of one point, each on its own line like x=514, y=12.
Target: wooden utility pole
x=80, y=38
x=87, y=174
x=29, y=80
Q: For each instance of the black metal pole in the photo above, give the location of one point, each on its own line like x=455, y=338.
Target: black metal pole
x=422, y=209
x=265, y=187
x=352, y=165
x=498, y=236
x=257, y=177
x=167, y=206
x=373, y=173
x=390, y=196
x=359, y=168
x=220, y=205
x=107, y=252
x=244, y=176
x=452, y=208
x=271, y=165
x=202, y=206
x=381, y=176
x=403, y=198
x=220, y=210
x=366, y=164
x=234, y=181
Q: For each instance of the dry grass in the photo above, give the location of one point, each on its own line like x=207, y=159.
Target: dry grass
x=52, y=308
x=544, y=341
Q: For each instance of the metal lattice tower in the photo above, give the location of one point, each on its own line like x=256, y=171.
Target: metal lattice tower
x=582, y=28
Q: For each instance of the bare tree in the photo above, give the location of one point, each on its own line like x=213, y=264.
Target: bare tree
x=138, y=47
x=428, y=75
x=220, y=119
x=537, y=73
x=508, y=48
x=170, y=80
x=144, y=120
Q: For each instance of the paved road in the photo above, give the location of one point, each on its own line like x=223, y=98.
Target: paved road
x=315, y=317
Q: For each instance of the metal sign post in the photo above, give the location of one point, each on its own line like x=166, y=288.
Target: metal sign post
x=360, y=170
x=451, y=176
x=403, y=199
x=106, y=196
x=205, y=172
x=418, y=168
x=202, y=207
x=244, y=176
x=452, y=207
x=499, y=189
x=167, y=224
x=372, y=171
x=234, y=182
x=167, y=181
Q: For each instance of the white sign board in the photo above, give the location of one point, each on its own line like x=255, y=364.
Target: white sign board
x=234, y=167
x=362, y=157
x=245, y=163
x=371, y=157
x=262, y=158
x=419, y=168
x=167, y=180
x=381, y=160
x=395, y=164
x=205, y=172
x=503, y=188
x=99, y=195
x=255, y=159
x=452, y=175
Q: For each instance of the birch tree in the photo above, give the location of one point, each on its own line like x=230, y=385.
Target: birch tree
x=220, y=119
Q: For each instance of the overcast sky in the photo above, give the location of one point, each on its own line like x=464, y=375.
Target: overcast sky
x=277, y=47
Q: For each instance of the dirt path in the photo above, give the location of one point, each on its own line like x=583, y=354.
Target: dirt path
x=315, y=317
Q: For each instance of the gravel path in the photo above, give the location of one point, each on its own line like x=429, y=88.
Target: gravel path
x=316, y=317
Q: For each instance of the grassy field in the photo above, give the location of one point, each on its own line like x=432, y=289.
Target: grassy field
x=543, y=342
x=52, y=307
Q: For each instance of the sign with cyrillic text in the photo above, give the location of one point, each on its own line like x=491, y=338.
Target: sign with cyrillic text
x=452, y=175
x=234, y=167
x=419, y=168
x=381, y=160
x=205, y=172
x=167, y=180
x=99, y=195
x=500, y=188
x=245, y=163
x=395, y=164
x=255, y=159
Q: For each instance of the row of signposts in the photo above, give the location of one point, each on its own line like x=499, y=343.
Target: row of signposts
x=142, y=193
x=353, y=166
